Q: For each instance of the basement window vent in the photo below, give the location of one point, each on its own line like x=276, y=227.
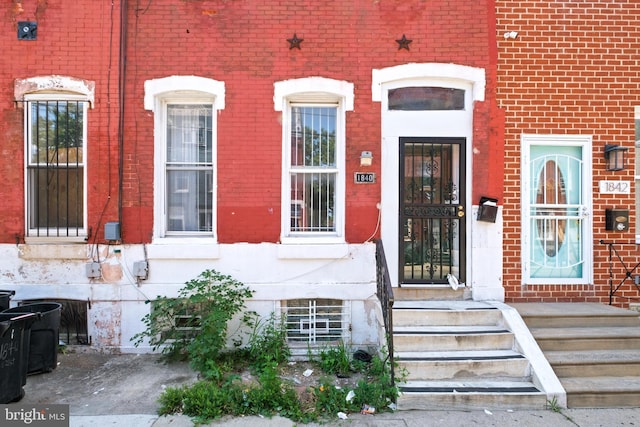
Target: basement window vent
x=185, y=323
x=315, y=323
x=73, y=320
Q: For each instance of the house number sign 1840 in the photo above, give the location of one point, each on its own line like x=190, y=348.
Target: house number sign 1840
x=615, y=187
x=365, y=177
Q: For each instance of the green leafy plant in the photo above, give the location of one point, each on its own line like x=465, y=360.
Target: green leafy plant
x=193, y=326
x=267, y=340
x=336, y=360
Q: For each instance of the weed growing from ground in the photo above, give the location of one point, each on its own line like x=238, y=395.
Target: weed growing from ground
x=193, y=327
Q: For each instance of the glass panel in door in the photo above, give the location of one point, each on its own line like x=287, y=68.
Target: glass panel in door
x=556, y=212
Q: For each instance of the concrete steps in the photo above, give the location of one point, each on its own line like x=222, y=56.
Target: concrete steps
x=459, y=354
x=594, y=350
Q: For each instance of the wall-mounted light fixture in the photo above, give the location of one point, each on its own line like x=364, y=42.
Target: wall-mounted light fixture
x=366, y=158
x=614, y=157
x=510, y=34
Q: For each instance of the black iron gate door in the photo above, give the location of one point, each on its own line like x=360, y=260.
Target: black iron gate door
x=432, y=211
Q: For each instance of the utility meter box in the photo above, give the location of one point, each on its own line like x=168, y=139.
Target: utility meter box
x=112, y=231
x=616, y=219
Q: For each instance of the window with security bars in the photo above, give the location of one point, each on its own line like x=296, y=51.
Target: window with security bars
x=189, y=169
x=56, y=147
x=313, y=168
x=315, y=322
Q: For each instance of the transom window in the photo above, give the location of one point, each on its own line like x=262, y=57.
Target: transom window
x=426, y=98
x=55, y=166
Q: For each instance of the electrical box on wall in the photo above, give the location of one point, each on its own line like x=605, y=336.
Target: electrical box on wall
x=616, y=219
x=93, y=270
x=112, y=231
x=141, y=269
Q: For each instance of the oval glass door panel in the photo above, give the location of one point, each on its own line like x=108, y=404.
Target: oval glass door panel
x=549, y=194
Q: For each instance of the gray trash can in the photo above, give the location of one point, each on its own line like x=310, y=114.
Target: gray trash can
x=45, y=334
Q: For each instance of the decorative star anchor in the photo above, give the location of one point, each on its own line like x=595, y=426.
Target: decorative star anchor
x=403, y=43
x=295, y=41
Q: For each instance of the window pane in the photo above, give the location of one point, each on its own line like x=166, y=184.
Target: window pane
x=55, y=168
x=189, y=133
x=426, y=98
x=189, y=200
x=313, y=136
x=56, y=198
x=313, y=201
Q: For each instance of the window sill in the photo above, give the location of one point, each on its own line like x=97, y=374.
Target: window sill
x=57, y=240
x=301, y=248
x=183, y=248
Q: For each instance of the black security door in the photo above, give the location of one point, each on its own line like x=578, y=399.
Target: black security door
x=432, y=211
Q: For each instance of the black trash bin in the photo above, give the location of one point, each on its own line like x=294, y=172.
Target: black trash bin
x=5, y=298
x=45, y=334
x=15, y=331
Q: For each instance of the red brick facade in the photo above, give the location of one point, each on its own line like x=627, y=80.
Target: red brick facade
x=572, y=69
x=244, y=44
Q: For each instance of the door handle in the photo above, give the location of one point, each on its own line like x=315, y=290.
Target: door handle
x=460, y=211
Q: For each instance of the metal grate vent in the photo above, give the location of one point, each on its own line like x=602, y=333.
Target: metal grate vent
x=73, y=320
x=314, y=323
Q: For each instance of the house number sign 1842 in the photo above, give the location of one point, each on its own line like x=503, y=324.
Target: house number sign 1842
x=615, y=187
x=365, y=177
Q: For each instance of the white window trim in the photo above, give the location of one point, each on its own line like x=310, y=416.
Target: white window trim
x=58, y=95
x=181, y=89
x=585, y=142
x=314, y=90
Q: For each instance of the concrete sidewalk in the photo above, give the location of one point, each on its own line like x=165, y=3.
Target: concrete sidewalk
x=123, y=390
x=500, y=418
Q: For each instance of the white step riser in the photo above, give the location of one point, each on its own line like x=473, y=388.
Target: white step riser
x=417, y=317
x=470, y=401
x=405, y=343
x=442, y=370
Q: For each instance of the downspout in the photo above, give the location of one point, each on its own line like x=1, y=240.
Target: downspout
x=122, y=65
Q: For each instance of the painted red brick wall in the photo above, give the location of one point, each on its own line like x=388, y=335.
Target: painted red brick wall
x=77, y=39
x=571, y=70
x=244, y=44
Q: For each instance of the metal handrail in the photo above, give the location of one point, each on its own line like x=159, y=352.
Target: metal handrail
x=628, y=270
x=385, y=295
